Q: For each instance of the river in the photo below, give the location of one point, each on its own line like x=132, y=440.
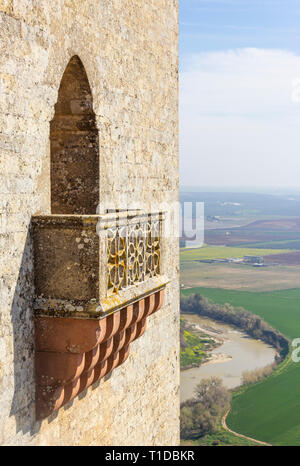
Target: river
x=237, y=353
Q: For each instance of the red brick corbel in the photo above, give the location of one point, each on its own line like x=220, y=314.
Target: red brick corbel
x=74, y=353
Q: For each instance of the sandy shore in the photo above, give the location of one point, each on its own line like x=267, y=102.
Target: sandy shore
x=215, y=358
x=215, y=335
x=218, y=337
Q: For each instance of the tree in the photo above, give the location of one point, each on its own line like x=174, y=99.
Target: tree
x=199, y=416
x=213, y=395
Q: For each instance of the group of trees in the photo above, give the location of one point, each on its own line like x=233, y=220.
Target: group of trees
x=252, y=324
x=199, y=416
x=254, y=376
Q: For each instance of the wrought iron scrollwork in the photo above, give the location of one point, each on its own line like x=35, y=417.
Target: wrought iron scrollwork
x=133, y=253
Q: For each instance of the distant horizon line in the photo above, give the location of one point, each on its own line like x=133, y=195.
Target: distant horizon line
x=183, y=187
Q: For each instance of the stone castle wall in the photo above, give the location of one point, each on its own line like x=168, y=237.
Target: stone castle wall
x=129, y=52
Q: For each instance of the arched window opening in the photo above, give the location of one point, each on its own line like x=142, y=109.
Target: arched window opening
x=74, y=145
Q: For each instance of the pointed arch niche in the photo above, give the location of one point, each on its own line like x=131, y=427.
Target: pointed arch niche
x=74, y=145
x=97, y=276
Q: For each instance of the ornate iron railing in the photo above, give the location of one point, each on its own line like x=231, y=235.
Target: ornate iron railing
x=133, y=251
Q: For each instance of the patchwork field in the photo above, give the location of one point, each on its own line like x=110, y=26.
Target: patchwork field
x=270, y=410
x=282, y=244
x=239, y=277
x=244, y=237
x=261, y=232
x=224, y=252
x=291, y=258
x=284, y=224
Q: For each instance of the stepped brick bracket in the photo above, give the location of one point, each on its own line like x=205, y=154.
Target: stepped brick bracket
x=97, y=279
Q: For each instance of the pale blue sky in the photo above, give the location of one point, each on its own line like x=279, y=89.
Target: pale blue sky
x=239, y=70
x=223, y=24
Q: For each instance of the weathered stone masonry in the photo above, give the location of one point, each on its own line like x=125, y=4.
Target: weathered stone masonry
x=128, y=50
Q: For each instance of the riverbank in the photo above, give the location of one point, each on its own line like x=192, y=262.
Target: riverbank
x=221, y=334
x=196, y=345
x=204, y=338
x=276, y=396
x=235, y=353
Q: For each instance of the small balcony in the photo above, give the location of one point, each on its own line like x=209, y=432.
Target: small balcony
x=97, y=279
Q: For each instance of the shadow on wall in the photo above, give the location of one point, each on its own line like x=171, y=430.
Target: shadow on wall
x=74, y=180
x=22, y=318
x=23, y=405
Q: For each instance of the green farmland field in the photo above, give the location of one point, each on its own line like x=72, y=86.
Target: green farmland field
x=280, y=308
x=282, y=244
x=224, y=252
x=269, y=410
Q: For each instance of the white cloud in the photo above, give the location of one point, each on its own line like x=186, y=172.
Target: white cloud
x=239, y=124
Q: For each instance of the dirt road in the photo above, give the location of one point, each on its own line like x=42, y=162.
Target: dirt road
x=241, y=435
